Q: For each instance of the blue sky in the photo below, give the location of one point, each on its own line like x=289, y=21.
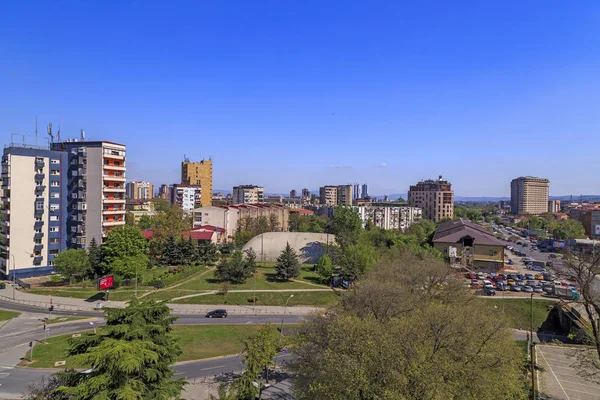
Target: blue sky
x=293, y=94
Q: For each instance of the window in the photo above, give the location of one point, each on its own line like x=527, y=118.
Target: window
x=54, y=161
x=54, y=184
x=53, y=240
x=54, y=218
x=491, y=253
x=55, y=172
x=38, y=231
x=54, y=195
x=39, y=171
x=39, y=205
x=38, y=183
x=38, y=241
x=53, y=252
x=73, y=173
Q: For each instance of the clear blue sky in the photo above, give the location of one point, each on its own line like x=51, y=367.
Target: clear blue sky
x=293, y=94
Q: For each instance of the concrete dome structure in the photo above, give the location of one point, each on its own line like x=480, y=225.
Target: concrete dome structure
x=309, y=246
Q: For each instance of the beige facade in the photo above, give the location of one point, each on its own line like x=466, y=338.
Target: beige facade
x=139, y=190
x=248, y=194
x=336, y=195
x=232, y=218
x=434, y=197
x=389, y=216
x=137, y=214
x=529, y=195
x=199, y=173
x=553, y=206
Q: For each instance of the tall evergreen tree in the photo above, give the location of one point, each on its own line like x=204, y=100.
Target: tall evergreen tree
x=234, y=270
x=130, y=358
x=172, y=254
x=288, y=265
x=95, y=258
x=206, y=252
x=188, y=250
x=251, y=259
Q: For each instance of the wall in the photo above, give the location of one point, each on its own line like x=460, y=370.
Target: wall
x=94, y=194
x=309, y=246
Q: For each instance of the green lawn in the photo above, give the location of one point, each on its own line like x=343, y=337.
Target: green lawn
x=6, y=315
x=79, y=293
x=265, y=280
x=197, y=342
x=517, y=311
x=319, y=299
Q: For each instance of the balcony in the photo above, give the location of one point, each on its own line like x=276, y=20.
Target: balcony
x=113, y=156
x=3, y=246
x=5, y=223
x=38, y=224
x=5, y=199
x=5, y=185
x=39, y=211
x=114, y=189
x=38, y=247
x=5, y=211
x=114, y=167
x=37, y=260
x=4, y=235
x=114, y=178
x=115, y=201
x=113, y=223
x=113, y=212
x=40, y=164
x=40, y=176
x=40, y=188
x=38, y=235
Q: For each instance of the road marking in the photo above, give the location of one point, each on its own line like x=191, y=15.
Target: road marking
x=206, y=369
x=4, y=375
x=553, y=374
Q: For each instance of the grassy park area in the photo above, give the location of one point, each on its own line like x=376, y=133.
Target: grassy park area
x=6, y=315
x=197, y=342
x=518, y=312
x=319, y=299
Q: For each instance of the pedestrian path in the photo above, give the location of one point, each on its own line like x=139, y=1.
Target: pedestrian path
x=73, y=304
x=251, y=291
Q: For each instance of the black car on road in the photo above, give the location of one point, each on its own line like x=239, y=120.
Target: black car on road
x=217, y=314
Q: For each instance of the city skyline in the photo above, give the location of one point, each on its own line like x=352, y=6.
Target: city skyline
x=282, y=96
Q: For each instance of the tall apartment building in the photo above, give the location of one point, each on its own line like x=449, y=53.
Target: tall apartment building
x=248, y=194
x=388, y=216
x=34, y=209
x=164, y=192
x=357, y=191
x=306, y=194
x=434, y=197
x=139, y=190
x=95, y=189
x=529, y=195
x=199, y=174
x=188, y=197
x=293, y=193
x=364, y=191
x=553, y=206
x=336, y=195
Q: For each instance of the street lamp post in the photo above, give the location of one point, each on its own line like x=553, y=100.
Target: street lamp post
x=13, y=272
x=93, y=326
x=284, y=310
x=531, y=345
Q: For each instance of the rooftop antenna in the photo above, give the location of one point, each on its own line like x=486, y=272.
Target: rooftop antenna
x=82, y=135
x=58, y=133
x=36, y=126
x=50, y=133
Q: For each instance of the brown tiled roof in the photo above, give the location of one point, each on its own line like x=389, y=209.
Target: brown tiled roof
x=453, y=231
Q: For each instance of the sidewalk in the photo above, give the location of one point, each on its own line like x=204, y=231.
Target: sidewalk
x=72, y=304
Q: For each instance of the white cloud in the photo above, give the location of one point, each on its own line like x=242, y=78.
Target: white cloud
x=339, y=166
x=383, y=165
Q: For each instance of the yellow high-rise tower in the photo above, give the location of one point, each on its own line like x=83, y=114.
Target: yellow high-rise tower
x=199, y=173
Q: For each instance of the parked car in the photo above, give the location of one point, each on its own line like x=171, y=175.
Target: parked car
x=217, y=314
x=486, y=292
x=520, y=277
x=474, y=282
x=520, y=283
x=527, y=289
x=548, y=289
x=471, y=276
x=501, y=286
x=515, y=288
x=537, y=289
x=531, y=282
x=480, y=276
x=510, y=262
x=529, y=276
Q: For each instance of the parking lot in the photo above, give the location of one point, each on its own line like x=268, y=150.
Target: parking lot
x=558, y=379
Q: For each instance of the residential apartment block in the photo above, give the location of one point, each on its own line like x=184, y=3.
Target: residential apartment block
x=139, y=190
x=529, y=195
x=231, y=218
x=34, y=210
x=434, y=197
x=248, y=194
x=95, y=189
x=553, y=206
x=188, y=197
x=164, y=192
x=389, y=216
x=336, y=195
x=199, y=174
x=306, y=194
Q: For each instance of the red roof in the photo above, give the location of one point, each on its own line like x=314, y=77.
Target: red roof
x=198, y=235
x=206, y=228
x=301, y=211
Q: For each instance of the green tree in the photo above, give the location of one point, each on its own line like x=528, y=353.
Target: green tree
x=95, y=258
x=356, y=260
x=259, y=352
x=417, y=231
x=206, y=252
x=130, y=359
x=159, y=204
x=407, y=331
x=235, y=269
x=129, y=219
x=242, y=237
x=346, y=226
x=73, y=264
x=128, y=267
x=188, y=250
x=474, y=214
x=124, y=244
x=288, y=264
x=273, y=223
x=146, y=222
x=251, y=259
x=325, y=267
x=172, y=254
x=173, y=221
x=567, y=229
